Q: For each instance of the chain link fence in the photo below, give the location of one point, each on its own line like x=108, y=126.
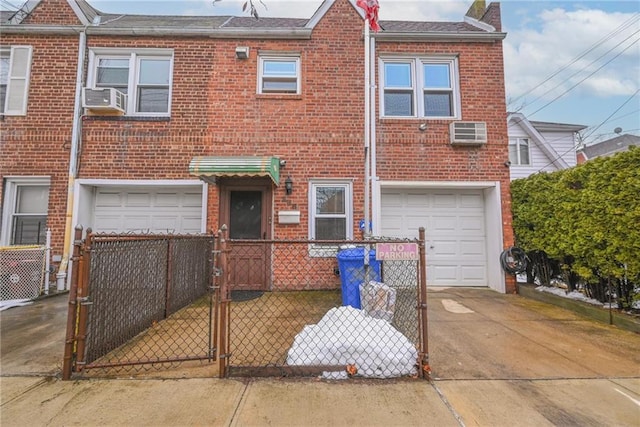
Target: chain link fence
x=261, y=308
x=332, y=309
x=22, y=272
x=141, y=302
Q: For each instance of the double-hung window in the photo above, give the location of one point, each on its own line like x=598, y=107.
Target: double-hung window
x=15, y=67
x=279, y=74
x=420, y=87
x=144, y=76
x=519, y=151
x=330, y=208
x=25, y=211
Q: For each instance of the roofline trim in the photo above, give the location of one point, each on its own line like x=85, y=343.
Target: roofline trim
x=479, y=24
x=79, y=13
x=239, y=33
x=438, y=36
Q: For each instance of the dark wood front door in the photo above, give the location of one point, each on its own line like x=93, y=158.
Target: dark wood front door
x=245, y=207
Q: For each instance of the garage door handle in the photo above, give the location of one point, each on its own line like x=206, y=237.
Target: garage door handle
x=431, y=246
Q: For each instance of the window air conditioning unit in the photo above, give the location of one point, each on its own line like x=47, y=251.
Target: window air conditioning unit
x=468, y=133
x=104, y=99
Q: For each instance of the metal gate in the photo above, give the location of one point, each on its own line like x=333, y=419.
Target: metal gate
x=334, y=309
x=140, y=301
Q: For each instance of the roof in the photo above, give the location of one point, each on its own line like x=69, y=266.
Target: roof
x=556, y=127
x=247, y=27
x=611, y=146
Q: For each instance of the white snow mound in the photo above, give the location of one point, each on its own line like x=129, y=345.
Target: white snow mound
x=347, y=336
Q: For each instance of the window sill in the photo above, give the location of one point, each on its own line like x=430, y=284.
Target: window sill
x=417, y=120
x=281, y=96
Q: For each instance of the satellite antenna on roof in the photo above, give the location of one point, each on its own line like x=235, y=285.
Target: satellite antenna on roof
x=618, y=130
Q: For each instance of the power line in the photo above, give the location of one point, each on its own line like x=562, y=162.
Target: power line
x=591, y=133
x=581, y=81
x=622, y=27
x=590, y=64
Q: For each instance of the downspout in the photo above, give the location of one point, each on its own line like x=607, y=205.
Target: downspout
x=73, y=167
x=375, y=191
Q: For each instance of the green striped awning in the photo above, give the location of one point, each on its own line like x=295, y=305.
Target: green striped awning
x=212, y=166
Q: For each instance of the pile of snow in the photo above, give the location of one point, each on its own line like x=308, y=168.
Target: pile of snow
x=7, y=304
x=574, y=295
x=347, y=336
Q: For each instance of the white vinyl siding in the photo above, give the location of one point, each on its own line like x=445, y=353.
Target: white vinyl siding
x=15, y=70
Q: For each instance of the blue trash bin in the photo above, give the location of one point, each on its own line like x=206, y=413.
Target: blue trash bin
x=353, y=273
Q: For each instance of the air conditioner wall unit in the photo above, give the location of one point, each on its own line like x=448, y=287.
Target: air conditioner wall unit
x=468, y=133
x=104, y=99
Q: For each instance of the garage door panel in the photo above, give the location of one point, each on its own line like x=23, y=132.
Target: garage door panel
x=149, y=210
x=106, y=199
x=455, y=231
x=138, y=199
x=471, y=224
x=167, y=200
x=192, y=200
x=471, y=201
x=444, y=201
x=475, y=274
x=471, y=248
x=416, y=199
x=443, y=224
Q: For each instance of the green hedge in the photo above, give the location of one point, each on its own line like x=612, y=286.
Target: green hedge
x=586, y=218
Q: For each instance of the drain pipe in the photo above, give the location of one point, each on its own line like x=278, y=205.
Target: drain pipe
x=61, y=277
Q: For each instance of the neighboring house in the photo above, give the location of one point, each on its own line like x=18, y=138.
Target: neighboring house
x=540, y=146
x=608, y=147
x=181, y=124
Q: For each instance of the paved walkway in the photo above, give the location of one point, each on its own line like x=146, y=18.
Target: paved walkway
x=497, y=360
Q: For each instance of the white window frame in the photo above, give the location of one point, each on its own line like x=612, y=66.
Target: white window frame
x=330, y=250
x=262, y=58
x=11, y=186
x=516, y=142
x=417, y=85
x=134, y=56
x=16, y=81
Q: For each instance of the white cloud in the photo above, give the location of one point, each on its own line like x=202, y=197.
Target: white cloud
x=606, y=40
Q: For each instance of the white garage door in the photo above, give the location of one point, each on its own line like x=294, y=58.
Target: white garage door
x=455, y=231
x=151, y=210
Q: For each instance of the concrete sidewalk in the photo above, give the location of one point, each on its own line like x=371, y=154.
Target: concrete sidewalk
x=497, y=360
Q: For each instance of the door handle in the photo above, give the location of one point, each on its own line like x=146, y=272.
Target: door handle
x=264, y=235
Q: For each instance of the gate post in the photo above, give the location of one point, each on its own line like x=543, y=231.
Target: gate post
x=225, y=306
x=425, y=369
x=83, y=291
x=72, y=312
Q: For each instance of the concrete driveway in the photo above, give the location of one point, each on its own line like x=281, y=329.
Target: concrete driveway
x=497, y=360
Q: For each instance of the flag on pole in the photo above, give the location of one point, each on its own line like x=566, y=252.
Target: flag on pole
x=370, y=8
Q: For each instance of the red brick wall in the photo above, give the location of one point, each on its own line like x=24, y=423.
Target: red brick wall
x=216, y=111
x=52, y=12
x=38, y=144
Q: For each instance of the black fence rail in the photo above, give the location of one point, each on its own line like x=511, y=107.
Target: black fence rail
x=139, y=301
x=332, y=309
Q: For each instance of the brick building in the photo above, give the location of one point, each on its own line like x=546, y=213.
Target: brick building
x=182, y=124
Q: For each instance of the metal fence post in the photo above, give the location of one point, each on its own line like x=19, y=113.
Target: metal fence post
x=425, y=369
x=167, y=287
x=72, y=311
x=225, y=306
x=214, y=298
x=83, y=292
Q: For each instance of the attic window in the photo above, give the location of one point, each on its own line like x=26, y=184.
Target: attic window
x=519, y=151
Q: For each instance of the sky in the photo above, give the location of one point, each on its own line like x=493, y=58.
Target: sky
x=574, y=62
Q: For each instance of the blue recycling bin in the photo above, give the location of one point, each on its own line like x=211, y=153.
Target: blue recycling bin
x=353, y=272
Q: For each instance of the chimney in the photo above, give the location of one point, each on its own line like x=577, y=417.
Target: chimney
x=489, y=15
